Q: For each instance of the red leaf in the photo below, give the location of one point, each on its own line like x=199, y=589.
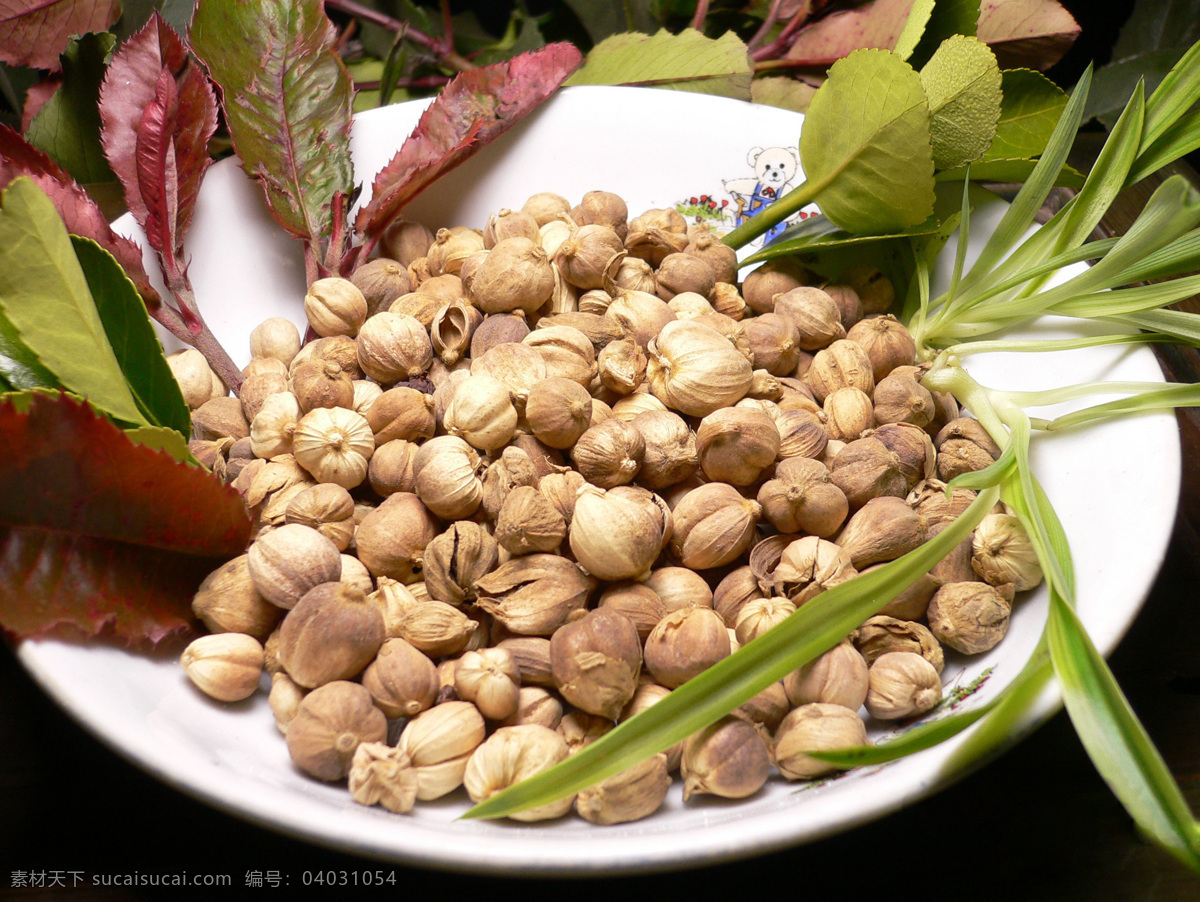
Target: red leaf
x=157, y=112
x=877, y=25
x=36, y=96
x=1031, y=34
x=35, y=32
x=472, y=110
x=80, y=213
x=96, y=530
x=287, y=98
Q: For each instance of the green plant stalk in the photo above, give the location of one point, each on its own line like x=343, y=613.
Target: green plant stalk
x=793, y=202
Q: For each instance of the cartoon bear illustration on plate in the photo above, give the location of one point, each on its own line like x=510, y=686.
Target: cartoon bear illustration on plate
x=774, y=168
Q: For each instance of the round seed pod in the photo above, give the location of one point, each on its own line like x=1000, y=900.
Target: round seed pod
x=513, y=754
x=866, y=469
x=881, y=634
x=1002, y=553
x=815, y=727
x=603, y=208
x=490, y=679
x=514, y=275
x=670, y=455
x=696, y=371
x=401, y=413
x=902, y=685
x=517, y=366
x=390, y=469
x=874, y=289
x=683, y=272
x=559, y=411
x=881, y=530
x=381, y=281
x=405, y=241
x=596, y=660
x=546, y=206
x=655, y=234
x=735, y=445
x=809, y=566
x=774, y=342
x=803, y=498
x=728, y=759
x=224, y=666
x=970, y=617
x=637, y=316
x=276, y=337
x=614, y=537
x=482, y=412
x=392, y=347
x=775, y=277
x=720, y=258
x=637, y=602
x=902, y=399
x=529, y=523
x=838, y=677
x=330, y=723
x=713, y=525
x=685, y=643
x=679, y=587
x=335, y=306
x=391, y=538
x=332, y=633
x=887, y=342
x=446, y=470
x=841, y=364
x=566, y=351
x=634, y=793
x=609, y=454
x=289, y=560
x=590, y=255
x=334, y=445
x=815, y=315
x=228, y=602
x=451, y=247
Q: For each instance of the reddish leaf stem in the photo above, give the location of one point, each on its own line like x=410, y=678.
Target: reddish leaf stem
x=188, y=326
x=765, y=28
x=784, y=40
x=700, y=15
x=447, y=56
x=427, y=81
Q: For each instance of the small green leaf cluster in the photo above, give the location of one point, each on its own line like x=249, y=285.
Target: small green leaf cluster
x=881, y=169
x=71, y=320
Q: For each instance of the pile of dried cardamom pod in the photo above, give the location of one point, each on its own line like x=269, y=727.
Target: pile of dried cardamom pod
x=529, y=479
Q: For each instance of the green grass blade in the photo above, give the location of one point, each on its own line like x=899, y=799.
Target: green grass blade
x=1175, y=323
x=1020, y=215
x=1182, y=139
x=1167, y=398
x=1115, y=739
x=1175, y=95
x=815, y=628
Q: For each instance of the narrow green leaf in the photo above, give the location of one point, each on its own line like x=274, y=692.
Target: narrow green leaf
x=67, y=127
x=1177, y=323
x=914, y=28
x=44, y=295
x=963, y=84
x=818, y=233
x=129, y=331
x=1180, y=140
x=1021, y=213
x=1031, y=106
x=1167, y=398
x=1115, y=739
x=873, y=171
x=688, y=61
x=1175, y=95
x=1014, y=172
x=917, y=739
x=813, y=629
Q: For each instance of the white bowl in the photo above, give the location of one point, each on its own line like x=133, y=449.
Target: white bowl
x=1114, y=485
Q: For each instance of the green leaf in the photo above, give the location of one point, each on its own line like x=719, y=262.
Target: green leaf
x=914, y=28
x=873, y=171
x=1115, y=739
x=1009, y=172
x=814, y=628
x=287, y=98
x=44, y=295
x=688, y=61
x=1031, y=106
x=950, y=17
x=67, y=127
x=129, y=331
x=160, y=438
x=785, y=93
x=962, y=82
x=818, y=234
x=19, y=366
x=1176, y=323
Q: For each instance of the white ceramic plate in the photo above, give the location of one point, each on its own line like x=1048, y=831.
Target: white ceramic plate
x=1115, y=487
